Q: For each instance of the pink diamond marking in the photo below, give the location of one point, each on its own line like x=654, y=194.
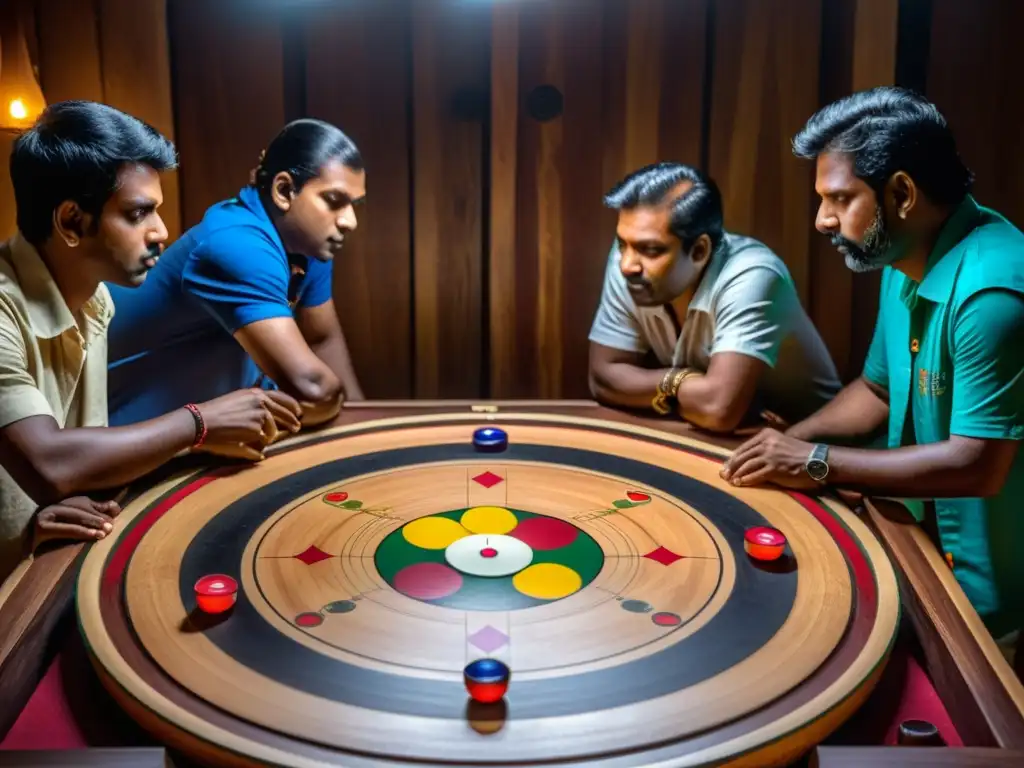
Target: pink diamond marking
x=663, y=556
x=312, y=555
x=488, y=639
x=488, y=479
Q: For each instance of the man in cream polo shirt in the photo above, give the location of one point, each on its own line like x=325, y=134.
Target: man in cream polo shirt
x=718, y=312
x=87, y=187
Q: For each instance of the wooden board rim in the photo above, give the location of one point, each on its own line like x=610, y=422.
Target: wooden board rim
x=703, y=449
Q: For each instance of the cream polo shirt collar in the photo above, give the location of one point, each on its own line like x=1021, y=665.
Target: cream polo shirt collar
x=48, y=311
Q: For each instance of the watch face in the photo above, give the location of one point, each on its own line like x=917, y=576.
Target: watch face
x=817, y=469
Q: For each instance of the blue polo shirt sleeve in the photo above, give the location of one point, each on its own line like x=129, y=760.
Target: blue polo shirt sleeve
x=988, y=366
x=239, y=276
x=317, y=286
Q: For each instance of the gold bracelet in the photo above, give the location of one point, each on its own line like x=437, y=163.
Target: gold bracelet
x=661, y=396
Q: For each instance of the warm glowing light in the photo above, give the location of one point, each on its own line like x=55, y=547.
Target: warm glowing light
x=17, y=109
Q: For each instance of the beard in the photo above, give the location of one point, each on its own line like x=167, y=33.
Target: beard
x=875, y=253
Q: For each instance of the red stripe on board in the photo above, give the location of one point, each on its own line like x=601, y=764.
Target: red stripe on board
x=866, y=600
x=118, y=562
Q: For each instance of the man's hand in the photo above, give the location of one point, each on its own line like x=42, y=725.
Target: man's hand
x=770, y=457
x=77, y=519
x=248, y=415
x=241, y=424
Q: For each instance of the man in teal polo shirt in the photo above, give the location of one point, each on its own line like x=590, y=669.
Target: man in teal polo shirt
x=946, y=364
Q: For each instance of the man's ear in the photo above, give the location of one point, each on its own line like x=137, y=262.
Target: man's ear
x=901, y=192
x=282, y=190
x=69, y=223
x=701, y=250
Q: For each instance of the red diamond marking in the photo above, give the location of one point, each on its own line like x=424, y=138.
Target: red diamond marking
x=313, y=555
x=637, y=496
x=336, y=498
x=663, y=556
x=488, y=479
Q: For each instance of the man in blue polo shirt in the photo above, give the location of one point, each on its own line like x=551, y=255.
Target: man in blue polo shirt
x=244, y=297
x=946, y=366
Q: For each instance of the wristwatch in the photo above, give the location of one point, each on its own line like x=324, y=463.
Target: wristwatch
x=817, y=463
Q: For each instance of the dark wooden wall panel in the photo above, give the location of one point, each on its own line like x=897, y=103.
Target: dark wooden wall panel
x=631, y=78
x=478, y=262
x=364, y=45
x=502, y=211
x=858, y=52
x=450, y=50
x=134, y=48
x=765, y=87
x=69, y=50
x=228, y=96
x=974, y=78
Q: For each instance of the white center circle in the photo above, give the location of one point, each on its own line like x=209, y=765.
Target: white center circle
x=488, y=554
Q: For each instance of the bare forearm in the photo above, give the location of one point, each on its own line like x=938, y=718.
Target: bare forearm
x=88, y=459
x=701, y=403
x=855, y=412
x=334, y=353
x=935, y=470
x=625, y=385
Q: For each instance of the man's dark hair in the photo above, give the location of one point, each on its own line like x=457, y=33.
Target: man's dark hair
x=302, y=149
x=885, y=130
x=696, y=212
x=75, y=151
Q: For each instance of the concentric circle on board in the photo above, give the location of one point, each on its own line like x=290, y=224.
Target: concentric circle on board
x=242, y=686
x=488, y=564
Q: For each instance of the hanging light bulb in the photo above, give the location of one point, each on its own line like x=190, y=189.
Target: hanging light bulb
x=21, y=98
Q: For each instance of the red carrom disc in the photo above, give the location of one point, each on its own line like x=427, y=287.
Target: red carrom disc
x=763, y=543
x=216, y=593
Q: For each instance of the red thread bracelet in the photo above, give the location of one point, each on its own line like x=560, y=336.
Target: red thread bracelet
x=200, y=424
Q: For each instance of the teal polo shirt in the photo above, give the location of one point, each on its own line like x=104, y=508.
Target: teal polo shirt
x=950, y=352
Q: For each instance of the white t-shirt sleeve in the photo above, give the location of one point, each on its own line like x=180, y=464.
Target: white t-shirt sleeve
x=616, y=324
x=753, y=313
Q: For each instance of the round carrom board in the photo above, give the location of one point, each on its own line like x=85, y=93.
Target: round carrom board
x=602, y=562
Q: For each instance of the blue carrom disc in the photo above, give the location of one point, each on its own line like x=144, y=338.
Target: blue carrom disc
x=490, y=439
x=486, y=680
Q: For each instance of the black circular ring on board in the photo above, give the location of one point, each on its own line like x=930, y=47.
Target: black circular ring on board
x=755, y=611
x=544, y=103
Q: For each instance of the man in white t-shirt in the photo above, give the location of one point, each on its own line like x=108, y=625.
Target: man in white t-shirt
x=718, y=312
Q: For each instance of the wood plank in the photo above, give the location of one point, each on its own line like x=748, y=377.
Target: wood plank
x=226, y=62
x=978, y=687
x=926, y=757
x=34, y=599
x=563, y=230
x=860, y=53
x=8, y=210
x=969, y=42
x=69, y=50
x=365, y=45
x=449, y=105
x=765, y=86
x=108, y=757
x=136, y=72
x=502, y=204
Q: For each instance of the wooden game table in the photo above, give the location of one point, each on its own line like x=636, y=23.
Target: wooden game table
x=642, y=633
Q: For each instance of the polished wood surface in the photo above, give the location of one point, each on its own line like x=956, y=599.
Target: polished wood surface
x=796, y=652
x=722, y=85
x=992, y=695
x=914, y=757
x=978, y=686
x=131, y=757
x=358, y=71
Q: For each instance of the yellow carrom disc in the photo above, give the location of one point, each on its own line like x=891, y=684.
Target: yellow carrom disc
x=602, y=563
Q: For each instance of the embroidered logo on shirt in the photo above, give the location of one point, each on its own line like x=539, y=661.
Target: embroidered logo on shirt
x=931, y=383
